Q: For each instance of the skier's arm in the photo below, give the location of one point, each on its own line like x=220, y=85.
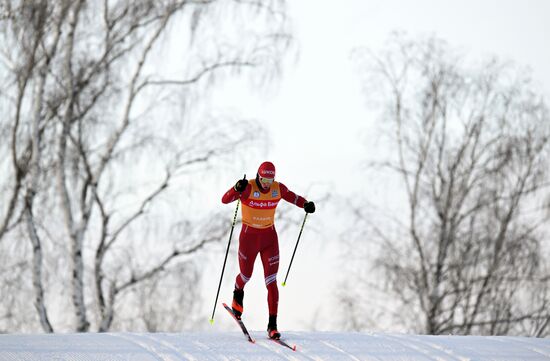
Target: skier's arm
x=232, y=195
x=291, y=197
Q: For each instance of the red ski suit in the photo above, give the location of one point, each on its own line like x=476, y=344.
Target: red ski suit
x=258, y=234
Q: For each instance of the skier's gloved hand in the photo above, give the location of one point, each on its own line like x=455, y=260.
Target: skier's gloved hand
x=309, y=207
x=241, y=184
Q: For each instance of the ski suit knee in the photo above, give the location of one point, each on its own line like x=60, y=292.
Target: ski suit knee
x=252, y=242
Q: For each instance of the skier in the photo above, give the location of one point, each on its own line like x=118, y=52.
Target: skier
x=259, y=198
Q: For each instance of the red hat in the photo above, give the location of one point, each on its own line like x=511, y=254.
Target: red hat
x=266, y=170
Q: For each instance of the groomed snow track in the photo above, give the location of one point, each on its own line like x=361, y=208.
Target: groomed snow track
x=233, y=346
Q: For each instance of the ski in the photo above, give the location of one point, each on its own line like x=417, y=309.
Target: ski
x=240, y=322
x=283, y=343
x=245, y=331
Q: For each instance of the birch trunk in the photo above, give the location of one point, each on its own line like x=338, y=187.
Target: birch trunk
x=75, y=233
x=39, y=301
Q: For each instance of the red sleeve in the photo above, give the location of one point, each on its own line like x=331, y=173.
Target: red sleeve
x=231, y=195
x=291, y=197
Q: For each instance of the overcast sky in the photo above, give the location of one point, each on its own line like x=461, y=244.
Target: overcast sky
x=318, y=117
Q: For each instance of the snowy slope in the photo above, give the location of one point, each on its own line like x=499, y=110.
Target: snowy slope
x=233, y=346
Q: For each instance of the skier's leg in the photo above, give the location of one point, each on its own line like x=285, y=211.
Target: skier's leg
x=248, y=250
x=270, y=261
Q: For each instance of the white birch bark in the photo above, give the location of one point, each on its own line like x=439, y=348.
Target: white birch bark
x=75, y=234
x=39, y=301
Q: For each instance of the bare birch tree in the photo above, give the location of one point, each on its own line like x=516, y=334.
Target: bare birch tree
x=90, y=105
x=470, y=145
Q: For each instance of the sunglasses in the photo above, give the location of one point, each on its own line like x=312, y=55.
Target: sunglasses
x=266, y=180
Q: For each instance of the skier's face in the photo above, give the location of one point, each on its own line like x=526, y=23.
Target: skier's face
x=266, y=182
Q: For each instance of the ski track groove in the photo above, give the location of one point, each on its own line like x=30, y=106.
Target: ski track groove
x=351, y=357
x=139, y=344
x=421, y=350
x=169, y=354
x=407, y=346
x=369, y=357
x=531, y=347
x=206, y=348
x=440, y=348
x=186, y=356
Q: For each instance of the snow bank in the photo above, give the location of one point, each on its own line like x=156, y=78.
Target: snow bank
x=233, y=346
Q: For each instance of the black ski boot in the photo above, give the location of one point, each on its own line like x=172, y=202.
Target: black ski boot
x=272, y=328
x=237, y=305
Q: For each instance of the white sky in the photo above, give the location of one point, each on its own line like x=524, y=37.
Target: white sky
x=318, y=116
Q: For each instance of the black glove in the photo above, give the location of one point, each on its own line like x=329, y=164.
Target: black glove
x=241, y=184
x=309, y=207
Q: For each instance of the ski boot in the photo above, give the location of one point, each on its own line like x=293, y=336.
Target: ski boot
x=237, y=305
x=272, y=328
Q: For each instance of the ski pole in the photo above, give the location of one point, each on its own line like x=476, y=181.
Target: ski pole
x=225, y=260
x=296, y=247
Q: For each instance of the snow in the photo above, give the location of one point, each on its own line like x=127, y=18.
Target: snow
x=233, y=346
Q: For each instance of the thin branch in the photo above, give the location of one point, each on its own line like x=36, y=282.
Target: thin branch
x=163, y=186
x=194, y=79
x=162, y=265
